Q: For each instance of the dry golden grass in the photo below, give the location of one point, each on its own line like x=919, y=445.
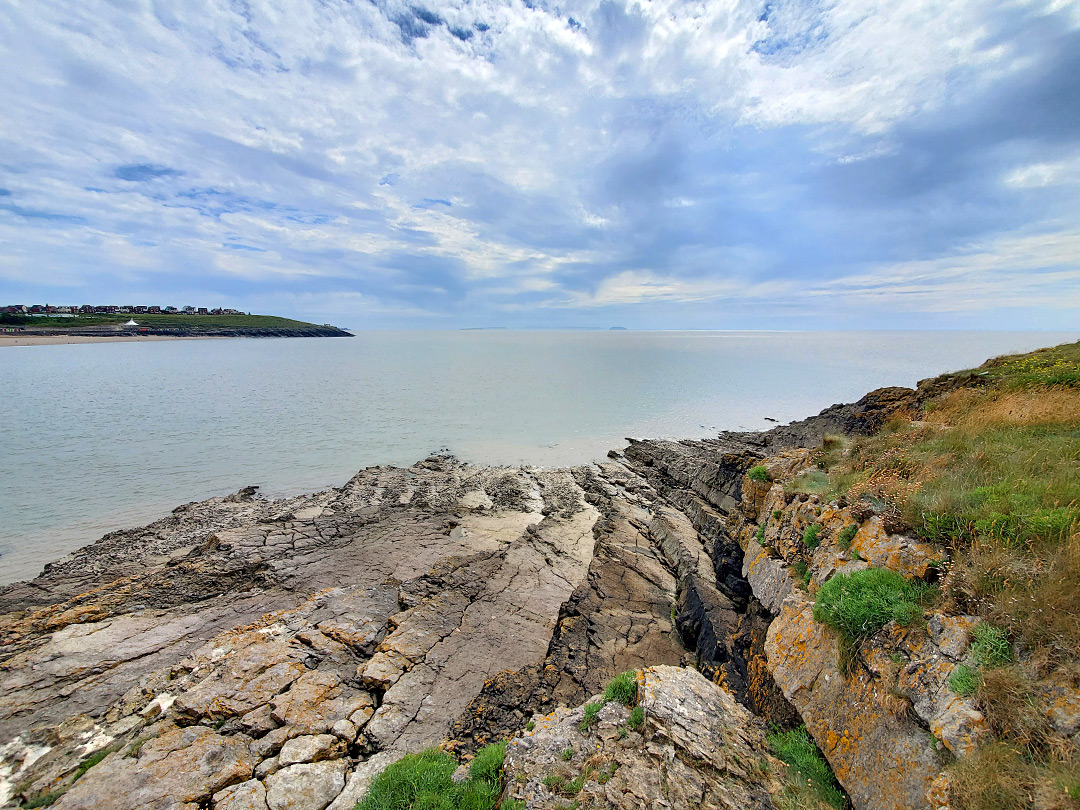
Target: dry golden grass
x=981, y=408
x=1035, y=597
x=1000, y=777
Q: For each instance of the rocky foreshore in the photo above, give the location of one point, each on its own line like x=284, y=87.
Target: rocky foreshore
x=250, y=653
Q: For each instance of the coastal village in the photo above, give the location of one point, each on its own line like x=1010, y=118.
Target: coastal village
x=48, y=310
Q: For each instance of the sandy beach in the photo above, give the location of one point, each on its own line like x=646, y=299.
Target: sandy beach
x=61, y=340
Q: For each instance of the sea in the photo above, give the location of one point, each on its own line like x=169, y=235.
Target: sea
x=97, y=437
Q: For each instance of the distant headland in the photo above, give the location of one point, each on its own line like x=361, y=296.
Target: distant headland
x=22, y=325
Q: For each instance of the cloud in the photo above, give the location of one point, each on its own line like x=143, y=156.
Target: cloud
x=498, y=159
x=137, y=172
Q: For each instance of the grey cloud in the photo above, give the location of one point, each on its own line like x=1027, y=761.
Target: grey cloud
x=138, y=172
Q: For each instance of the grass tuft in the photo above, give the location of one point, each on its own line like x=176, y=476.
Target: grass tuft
x=424, y=781
x=591, y=711
x=811, y=536
x=637, y=718
x=488, y=763
x=91, y=761
x=44, y=800
x=989, y=646
x=759, y=473
x=810, y=773
x=622, y=689
x=847, y=534
x=861, y=603
x=964, y=680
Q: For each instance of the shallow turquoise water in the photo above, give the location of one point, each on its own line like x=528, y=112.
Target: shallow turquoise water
x=102, y=436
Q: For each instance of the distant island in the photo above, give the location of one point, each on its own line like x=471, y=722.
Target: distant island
x=22, y=325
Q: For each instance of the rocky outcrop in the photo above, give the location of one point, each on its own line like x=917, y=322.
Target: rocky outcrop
x=319, y=629
x=252, y=653
x=698, y=747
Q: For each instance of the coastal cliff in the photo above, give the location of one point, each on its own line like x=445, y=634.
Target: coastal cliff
x=249, y=653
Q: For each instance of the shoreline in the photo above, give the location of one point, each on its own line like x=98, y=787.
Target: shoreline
x=67, y=340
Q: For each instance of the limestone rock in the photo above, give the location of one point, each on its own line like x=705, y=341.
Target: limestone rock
x=308, y=786
x=699, y=749
x=309, y=749
x=250, y=795
x=180, y=766
x=360, y=780
x=883, y=761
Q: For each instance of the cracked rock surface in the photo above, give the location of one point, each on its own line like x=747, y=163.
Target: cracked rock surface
x=698, y=748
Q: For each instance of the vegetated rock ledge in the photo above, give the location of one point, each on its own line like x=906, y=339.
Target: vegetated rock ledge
x=246, y=653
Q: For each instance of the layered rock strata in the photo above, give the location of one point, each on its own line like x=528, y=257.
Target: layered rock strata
x=246, y=653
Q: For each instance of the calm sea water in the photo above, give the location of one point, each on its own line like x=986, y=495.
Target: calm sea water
x=104, y=436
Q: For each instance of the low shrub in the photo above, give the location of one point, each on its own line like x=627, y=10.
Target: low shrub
x=808, y=766
x=811, y=536
x=760, y=473
x=623, y=689
x=862, y=602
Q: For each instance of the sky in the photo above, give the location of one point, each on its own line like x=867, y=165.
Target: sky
x=776, y=164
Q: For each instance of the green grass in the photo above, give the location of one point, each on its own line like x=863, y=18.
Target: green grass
x=165, y=321
x=424, y=781
x=623, y=689
x=990, y=646
x=760, y=534
x=802, y=570
x=808, y=767
x=591, y=711
x=487, y=765
x=759, y=473
x=637, y=718
x=567, y=754
x=847, y=534
x=1055, y=366
x=862, y=602
x=964, y=680
x=777, y=514
x=44, y=800
x=91, y=761
x=1015, y=485
x=811, y=536
x=810, y=482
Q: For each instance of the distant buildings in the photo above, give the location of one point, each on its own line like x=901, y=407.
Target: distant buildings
x=49, y=311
